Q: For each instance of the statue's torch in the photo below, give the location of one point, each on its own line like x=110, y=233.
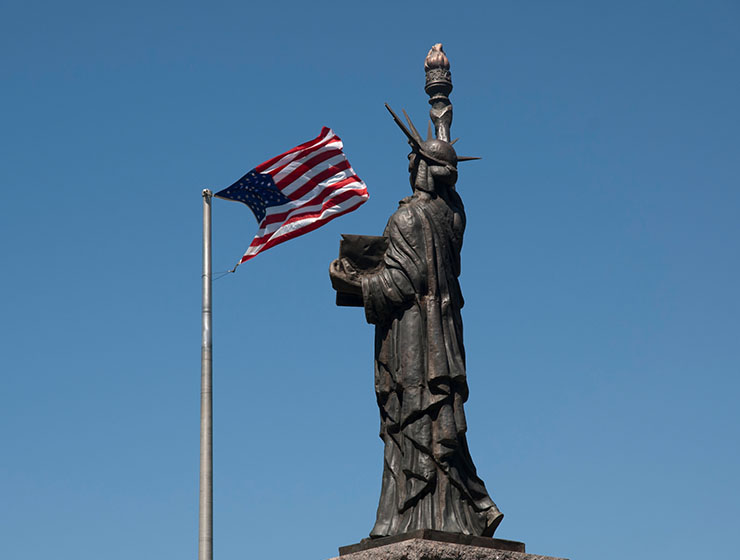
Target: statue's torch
x=438, y=87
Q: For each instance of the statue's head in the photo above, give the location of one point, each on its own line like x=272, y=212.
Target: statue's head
x=432, y=162
x=438, y=152
x=432, y=165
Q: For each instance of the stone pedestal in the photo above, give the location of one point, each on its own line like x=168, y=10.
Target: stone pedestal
x=436, y=545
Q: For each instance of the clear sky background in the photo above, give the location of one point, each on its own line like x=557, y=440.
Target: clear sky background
x=600, y=270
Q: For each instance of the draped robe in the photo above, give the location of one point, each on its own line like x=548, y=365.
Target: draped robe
x=414, y=300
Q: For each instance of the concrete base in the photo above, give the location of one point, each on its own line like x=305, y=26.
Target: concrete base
x=436, y=545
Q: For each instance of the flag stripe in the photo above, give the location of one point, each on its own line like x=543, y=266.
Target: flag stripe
x=277, y=239
x=316, y=212
x=322, y=137
x=297, y=170
x=281, y=213
x=276, y=170
x=297, y=232
x=309, y=182
x=271, y=224
x=338, y=182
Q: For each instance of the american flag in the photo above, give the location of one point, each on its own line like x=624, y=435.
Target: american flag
x=298, y=191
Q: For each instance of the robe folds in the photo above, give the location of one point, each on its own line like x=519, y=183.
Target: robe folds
x=414, y=301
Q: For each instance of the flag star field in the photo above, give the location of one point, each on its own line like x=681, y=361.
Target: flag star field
x=256, y=190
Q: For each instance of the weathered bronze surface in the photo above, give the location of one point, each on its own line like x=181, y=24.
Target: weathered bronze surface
x=412, y=296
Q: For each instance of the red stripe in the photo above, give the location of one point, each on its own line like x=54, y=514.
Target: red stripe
x=306, y=166
x=311, y=143
x=308, y=215
x=328, y=203
x=324, y=194
x=302, y=155
x=307, y=228
x=322, y=136
x=319, y=178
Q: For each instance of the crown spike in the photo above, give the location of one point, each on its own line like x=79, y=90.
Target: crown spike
x=411, y=126
x=415, y=144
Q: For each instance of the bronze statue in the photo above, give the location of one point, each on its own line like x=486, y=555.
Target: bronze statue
x=407, y=282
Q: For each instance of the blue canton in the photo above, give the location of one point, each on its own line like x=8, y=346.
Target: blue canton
x=256, y=190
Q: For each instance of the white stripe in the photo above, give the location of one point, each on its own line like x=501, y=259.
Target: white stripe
x=290, y=156
x=272, y=229
x=269, y=228
x=313, y=193
x=329, y=141
x=288, y=228
x=293, y=165
x=310, y=174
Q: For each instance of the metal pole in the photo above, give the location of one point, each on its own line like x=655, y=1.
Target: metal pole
x=205, y=525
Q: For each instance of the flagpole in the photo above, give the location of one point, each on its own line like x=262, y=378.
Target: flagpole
x=205, y=511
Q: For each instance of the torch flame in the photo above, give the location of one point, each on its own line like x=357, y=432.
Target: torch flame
x=436, y=58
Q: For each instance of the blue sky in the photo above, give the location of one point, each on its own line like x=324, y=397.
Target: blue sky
x=600, y=270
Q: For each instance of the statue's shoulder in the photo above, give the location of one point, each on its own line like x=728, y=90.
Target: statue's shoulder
x=406, y=216
x=413, y=203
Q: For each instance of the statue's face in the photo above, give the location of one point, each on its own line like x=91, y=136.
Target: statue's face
x=446, y=175
x=412, y=169
x=443, y=171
